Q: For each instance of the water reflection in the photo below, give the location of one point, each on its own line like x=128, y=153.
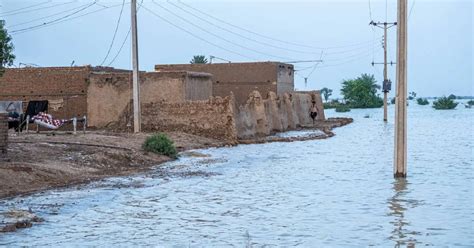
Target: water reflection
x=398, y=205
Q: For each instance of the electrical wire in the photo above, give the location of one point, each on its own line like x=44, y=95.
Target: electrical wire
x=411, y=9
x=45, y=17
x=220, y=37
x=196, y=36
x=71, y=18
x=55, y=20
x=252, y=39
x=31, y=6
x=264, y=36
x=115, y=33
x=31, y=10
x=124, y=40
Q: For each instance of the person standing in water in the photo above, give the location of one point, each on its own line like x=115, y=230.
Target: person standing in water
x=313, y=111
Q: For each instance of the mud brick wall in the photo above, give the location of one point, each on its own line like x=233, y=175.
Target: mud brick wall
x=243, y=78
x=3, y=136
x=213, y=118
x=109, y=94
x=64, y=88
x=264, y=116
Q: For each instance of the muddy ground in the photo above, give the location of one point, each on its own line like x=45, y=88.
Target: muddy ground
x=43, y=161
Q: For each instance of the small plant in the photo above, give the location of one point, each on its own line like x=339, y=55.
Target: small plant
x=422, y=101
x=470, y=102
x=160, y=144
x=444, y=103
x=342, y=109
x=392, y=101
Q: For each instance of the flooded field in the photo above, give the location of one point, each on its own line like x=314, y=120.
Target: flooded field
x=334, y=192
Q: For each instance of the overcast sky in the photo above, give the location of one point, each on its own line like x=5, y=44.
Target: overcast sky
x=440, y=36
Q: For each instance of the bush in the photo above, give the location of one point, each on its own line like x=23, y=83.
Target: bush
x=342, y=109
x=470, y=102
x=444, y=103
x=160, y=144
x=332, y=104
x=422, y=101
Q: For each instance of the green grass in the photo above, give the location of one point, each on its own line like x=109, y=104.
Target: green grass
x=160, y=144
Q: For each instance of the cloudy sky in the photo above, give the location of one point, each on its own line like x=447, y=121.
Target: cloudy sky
x=58, y=32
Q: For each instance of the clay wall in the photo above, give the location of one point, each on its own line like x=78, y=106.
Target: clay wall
x=3, y=136
x=64, y=87
x=261, y=117
x=109, y=94
x=243, y=78
x=213, y=118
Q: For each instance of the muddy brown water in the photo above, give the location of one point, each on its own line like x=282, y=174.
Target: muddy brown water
x=334, y=192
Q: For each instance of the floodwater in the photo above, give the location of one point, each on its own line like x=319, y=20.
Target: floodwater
x=334, y=192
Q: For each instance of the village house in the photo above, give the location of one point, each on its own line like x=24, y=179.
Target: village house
x=243, y=78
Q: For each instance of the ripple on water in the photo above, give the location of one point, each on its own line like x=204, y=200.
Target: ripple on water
x=334, y=192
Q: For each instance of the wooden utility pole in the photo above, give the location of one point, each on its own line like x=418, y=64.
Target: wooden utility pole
x=387, y=84
x=400, y=160
x=136, y=84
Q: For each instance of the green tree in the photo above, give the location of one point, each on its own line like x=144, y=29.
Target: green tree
x=444, y=103
x=412, y=95
x=452, y=97
x=326, y=93
x=422, y=101
x=6, y=48
x=199, y=59
x=361, y=92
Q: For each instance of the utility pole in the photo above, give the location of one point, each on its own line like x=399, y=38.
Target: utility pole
x=400, y=160
x=136, y=83
x=387, y=84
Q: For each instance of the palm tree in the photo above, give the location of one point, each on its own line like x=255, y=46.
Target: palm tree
x=199, y=59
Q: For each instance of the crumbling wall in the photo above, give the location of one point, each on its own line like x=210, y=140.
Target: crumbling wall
x=3, y=136
x=213, y=118
x=261, y=117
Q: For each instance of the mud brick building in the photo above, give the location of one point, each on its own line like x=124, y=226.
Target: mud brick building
x=3, y=136
x=100, y=93
x=243, y=78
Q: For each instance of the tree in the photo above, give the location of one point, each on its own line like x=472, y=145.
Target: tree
x=422, y=101
x=362, y=92
x=444, y=103
x=199, y=59
x=326, y=93
x=6, y=48
x=452, y=97
x=412, y=95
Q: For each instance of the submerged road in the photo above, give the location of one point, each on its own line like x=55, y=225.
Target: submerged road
x=334, y=192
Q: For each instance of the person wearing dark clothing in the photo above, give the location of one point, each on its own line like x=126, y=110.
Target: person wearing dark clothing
x=313, y=111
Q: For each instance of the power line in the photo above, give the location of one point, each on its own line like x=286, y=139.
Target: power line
x=411, y=8
x=268, y=37
x=31, y=6
x=56, y=20
x=31, y=10
x=196, y=36
x=115, y=33
x=71, y=18
x=220, y=37
x=45, y=17
x=250, y=38
x=124, y=40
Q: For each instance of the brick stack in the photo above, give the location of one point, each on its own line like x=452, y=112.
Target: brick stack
x=3, y=136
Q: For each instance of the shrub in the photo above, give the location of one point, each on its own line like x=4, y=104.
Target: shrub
x=332, y=104
x=470, y=102
x=361, y=92
x=160, y=144
x=444, y=103
x=422, y=101
x=342, y=108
